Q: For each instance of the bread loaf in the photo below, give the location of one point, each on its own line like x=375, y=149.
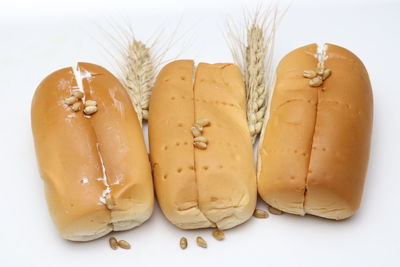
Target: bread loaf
x=211, y=187
x=314, y=150
x=95, y=168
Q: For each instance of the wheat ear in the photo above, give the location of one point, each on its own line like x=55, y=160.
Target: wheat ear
x=252, y=50
x=138, y=77
x=138, y=65
x=255, y=79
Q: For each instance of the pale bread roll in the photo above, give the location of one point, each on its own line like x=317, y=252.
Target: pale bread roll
x=215, y=187
x=74, y=150
x=314, y=150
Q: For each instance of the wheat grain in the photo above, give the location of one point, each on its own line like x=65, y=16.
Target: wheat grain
x=309, y=74
x=124, y=244
x=315, y=82
x=70, y=100
x=89, y=110
x=195, y=132
x=201, y=242
x=200, y=145
x=113, y=243
x=219, y=235
x=183, y=243
x=326, y=74
x=260, y=213
x=78, y=94
x=201, y=139
x=76, y=106
x=274, y=211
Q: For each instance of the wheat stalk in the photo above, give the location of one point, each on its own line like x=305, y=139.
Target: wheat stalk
x=252, y=50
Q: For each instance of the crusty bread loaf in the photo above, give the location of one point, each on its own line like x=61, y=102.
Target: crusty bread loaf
x=201, y=188
x=314, y=150
x=95, y=168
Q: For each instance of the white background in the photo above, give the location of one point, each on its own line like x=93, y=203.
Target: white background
x=37, y=38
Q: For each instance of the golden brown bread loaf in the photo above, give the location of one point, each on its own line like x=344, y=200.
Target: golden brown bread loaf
x=214, y=187
x=314, y=150
x=95, y=168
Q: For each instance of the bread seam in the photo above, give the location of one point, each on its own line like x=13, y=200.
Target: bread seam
x=107, y=190
x=84, y=82
x=318, y=56
x=311, y=145
x=194, y=77
x=115, y=225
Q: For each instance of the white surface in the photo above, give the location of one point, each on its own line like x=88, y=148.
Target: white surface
x=37, y=39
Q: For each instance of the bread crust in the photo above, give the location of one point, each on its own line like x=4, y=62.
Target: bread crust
x=73, y=151
x=171, y=115
x=202, y=188
x=314, y=151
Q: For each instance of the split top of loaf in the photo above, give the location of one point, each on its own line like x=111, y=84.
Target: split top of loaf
x=211, y=186
x=95, y=168
x=314, y=149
